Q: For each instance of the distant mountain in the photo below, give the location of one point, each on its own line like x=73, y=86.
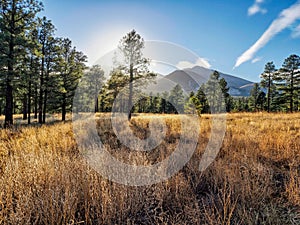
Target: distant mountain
x=191, y=79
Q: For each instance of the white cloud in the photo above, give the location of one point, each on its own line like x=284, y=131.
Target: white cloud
x=200, y=62
x=296, y=32
x=256, y=8
x=285, y=19
x=257, y=59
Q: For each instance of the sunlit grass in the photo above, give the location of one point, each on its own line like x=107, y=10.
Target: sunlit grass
x=254, y=180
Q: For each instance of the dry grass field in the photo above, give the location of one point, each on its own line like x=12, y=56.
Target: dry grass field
x=255, y=178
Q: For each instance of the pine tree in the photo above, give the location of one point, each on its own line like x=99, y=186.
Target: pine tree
x=33, y=68
x=288, y=80
x=267, y=81
x=70, y=69
x=216, y=91
x=176, y=98
x=225, y=92
x=163, y=108
x=241, y=104
x=156, y=103
x=93, y=83
x=134, y=64
x=193, y=104
x=15, y=17
x=48, y=49
x=116, y=82
x=257, y=97
x=202, y=99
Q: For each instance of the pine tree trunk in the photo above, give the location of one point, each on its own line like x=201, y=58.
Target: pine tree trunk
x=45, y=106
x=35, y=102
x=102, y=105
x=29, y=93
x=46, y=95
x=41, y=99
x=63, y=108
x=40, y=107
x=96, y=104
x=9, y=106
x=130, y=92
x=25, y=107
x=269, y=92
x=9, y=89
x=29, y=104
x=40, y=104
x=292, y=92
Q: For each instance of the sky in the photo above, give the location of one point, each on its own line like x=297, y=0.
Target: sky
x=236, y=37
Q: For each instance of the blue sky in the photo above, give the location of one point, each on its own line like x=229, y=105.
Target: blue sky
x=239, y=34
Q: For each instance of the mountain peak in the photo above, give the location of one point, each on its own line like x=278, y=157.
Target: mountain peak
x=191, y=78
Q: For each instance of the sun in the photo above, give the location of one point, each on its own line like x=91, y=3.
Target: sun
x=106, y=39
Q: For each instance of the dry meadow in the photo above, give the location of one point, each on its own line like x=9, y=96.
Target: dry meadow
x=255, y=178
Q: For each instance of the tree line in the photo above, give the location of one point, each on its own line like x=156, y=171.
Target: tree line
x=278, y=91
x=38, y=71
x=211, y=96
x=282, y=85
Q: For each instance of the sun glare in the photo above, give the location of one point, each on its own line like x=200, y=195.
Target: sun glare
x=106, y=39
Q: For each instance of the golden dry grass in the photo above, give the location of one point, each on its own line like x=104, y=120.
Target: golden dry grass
x=254, y=180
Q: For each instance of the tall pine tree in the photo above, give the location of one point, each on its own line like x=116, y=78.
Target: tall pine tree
x=289, y=80
x=70, y=69
x=134, y=63
x=15, y=17
x=267, y=81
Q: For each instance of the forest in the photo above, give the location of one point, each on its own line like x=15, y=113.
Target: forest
x=39, y=71
x=39, y=74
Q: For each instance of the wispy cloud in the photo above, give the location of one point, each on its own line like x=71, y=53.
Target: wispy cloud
x=296, y=32
x=200, y=62
x=256, y=8
x=257, y=59
x=285, y=19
